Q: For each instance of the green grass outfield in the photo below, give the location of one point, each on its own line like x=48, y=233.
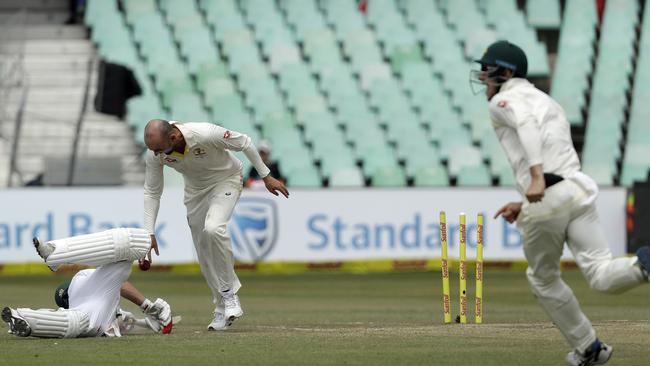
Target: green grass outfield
x=339, y=319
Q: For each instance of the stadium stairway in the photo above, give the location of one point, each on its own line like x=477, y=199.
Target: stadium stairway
x=56, y=62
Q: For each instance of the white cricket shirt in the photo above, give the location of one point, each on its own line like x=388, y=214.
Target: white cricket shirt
x=96, y=292
x=207, y=160
x=532, y=129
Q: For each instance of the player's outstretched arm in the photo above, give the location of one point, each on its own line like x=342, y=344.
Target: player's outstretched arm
x=154, y=183
x=274, y=186
x=509, y=212
x=129, y=292
x=158, y=313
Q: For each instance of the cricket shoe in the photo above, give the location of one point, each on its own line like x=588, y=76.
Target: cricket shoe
x=44, y=250
x=233, y=309
x=597, y=354
x=643, y=254
x=220, y=322
x=17, y=324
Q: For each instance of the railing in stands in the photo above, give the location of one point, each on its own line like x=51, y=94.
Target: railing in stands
x=79, y=125
x=13, y=81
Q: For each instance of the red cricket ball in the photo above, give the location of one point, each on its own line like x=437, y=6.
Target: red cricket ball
x=144, y=265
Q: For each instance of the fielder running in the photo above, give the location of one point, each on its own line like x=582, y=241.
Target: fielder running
x=213, y=184
x=89, y=303
x=558, y=201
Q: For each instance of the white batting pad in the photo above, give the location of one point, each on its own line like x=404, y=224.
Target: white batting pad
x=62, y=323
x=124, y=244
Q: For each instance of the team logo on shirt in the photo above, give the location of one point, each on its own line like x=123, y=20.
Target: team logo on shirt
x=226, y=135
x=253, y=228
x=199, y=152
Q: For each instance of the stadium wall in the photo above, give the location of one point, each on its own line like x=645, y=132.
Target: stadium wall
x=354, y=230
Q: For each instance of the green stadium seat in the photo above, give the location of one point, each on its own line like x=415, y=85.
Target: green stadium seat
x=474, y=176
x=634, y=173
x=418, y=156
x=335, y=160
x=96, y=10
x=295, y=159
x=389, y=177
x=210, y=71
x=170, y=87
x=304, y=178
x=227, y=107
x=506, y=177
x=140, y=110
x=216, y=88
x=348, y=177
x=325, y=132
x=364, y=136
x=187, y=107
x=464, y=156
x=136, y=9
x=603, y=174
x=431, y=177
x=380, y=158
x=452, y=140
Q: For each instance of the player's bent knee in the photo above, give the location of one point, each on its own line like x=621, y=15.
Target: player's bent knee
x=219, y=230
x=130, y=243
x=78, y=323
x=541, y=279
x=601, y=284
x=108, y=246
x=539, y=284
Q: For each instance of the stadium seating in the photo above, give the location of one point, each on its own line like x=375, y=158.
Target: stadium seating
x=543, y=14
x=574, y=64
x=348, y=97
x=636, y=164
x=610, y=84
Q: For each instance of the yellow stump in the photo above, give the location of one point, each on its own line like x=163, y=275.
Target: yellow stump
x=479, y=269
x=446, y=305
x=463, y=269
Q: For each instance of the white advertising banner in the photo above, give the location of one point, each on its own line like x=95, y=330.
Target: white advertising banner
x=310, y=226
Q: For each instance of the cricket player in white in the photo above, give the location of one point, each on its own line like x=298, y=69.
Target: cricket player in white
x=89, y=304
x=558, y=201
x=213, y=184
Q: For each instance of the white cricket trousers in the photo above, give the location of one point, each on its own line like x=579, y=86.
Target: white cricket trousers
x=94, y=296
x=208, y=213
x=547, y=225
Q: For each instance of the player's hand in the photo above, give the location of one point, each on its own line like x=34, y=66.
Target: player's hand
x=154, y=247
x=509, y=212
x=274, y=186
x=535, y=191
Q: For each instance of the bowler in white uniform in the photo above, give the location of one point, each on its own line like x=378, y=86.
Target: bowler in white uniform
x=558, y=201
x=201, y=152
x=89, y=303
